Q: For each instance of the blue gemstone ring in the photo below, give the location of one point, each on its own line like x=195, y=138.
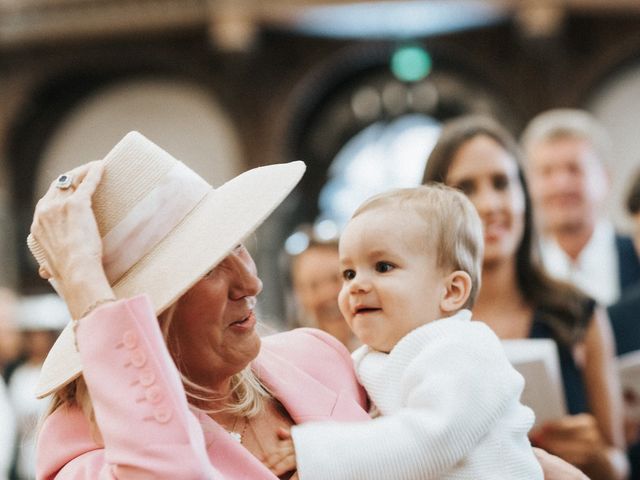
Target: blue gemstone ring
x=64, y=181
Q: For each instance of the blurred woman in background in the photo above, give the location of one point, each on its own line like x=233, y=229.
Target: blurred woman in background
x=316, y=281
x=518, y=300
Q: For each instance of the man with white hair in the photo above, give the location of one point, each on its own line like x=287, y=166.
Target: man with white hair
x=565, y=151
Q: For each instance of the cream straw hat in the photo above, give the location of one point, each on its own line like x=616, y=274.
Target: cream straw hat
x=163, y=228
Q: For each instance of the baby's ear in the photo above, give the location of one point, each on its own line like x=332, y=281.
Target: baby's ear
x=457, y=290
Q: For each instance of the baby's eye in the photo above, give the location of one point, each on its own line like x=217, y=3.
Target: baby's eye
x=384, y=267
x=348, y=274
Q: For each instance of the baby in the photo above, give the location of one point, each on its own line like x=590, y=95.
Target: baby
x=447, y=395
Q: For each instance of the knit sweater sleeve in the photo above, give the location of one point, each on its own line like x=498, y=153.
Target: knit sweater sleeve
x=453, y=392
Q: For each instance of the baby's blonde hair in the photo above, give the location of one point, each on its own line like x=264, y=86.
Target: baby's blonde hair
x=452, y=227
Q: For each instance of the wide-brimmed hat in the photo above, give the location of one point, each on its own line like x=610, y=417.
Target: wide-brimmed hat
x=163, y=228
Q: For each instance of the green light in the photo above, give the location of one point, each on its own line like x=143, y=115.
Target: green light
x=410, y=63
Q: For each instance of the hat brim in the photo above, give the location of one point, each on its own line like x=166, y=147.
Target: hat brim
x=222, y=220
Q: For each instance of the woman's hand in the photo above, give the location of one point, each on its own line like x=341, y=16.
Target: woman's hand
x=631, y=430
x=577, y=440
x=282, y=458
x=574, y=438
x=593, y=442
x=555, y=468
x=631, y=423
x=65, y=227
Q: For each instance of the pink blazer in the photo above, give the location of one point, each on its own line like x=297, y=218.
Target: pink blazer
x=150, y=432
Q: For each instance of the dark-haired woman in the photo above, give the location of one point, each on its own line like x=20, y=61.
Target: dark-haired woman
x=518, y=300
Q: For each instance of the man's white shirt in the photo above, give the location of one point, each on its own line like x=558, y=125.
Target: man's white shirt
x=595, y=271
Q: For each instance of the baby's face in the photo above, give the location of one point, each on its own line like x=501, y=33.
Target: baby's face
x=391, y=284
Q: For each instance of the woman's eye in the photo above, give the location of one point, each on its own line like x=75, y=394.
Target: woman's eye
x=500, y=182
x=384, y=267
x=348, y=275
x=466, y=186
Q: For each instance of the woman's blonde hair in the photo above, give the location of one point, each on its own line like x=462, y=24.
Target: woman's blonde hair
x=247, y=394
x=246, y=397
x=75, y=394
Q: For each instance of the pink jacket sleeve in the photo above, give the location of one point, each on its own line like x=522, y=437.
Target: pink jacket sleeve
x=149, y=432
x=147, y=428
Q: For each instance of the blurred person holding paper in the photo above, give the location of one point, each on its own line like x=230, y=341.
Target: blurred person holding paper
x=519, y=300
x=625, y=314
x=625, y=321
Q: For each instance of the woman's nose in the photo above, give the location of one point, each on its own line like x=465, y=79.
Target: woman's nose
x=486, y=200
x=245, y=281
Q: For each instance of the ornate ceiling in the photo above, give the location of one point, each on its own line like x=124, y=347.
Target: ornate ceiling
x=233, y=22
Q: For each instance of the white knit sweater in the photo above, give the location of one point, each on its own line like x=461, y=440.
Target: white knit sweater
x=450, y=404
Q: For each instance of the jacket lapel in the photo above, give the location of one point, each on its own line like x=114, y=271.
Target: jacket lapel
x=305, y=398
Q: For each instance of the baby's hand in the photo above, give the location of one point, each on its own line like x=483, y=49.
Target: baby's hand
x=282, y=458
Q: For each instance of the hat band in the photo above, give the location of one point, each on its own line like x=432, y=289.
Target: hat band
x=152, y=219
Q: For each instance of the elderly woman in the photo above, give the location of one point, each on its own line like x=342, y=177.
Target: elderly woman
x=195, y=393
x=519, y=300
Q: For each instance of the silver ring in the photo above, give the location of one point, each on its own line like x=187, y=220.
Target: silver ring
x=64, y=181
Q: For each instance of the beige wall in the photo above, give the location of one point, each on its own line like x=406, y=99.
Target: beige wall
x=181, y=117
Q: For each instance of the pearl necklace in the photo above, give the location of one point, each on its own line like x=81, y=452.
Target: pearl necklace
x=237, y=436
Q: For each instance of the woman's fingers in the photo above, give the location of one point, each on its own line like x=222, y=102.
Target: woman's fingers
x=90, y=177
x=575, y=438
x=44, y=273
x=64, y=224
x=74, y=181
x=283, y=464
x=556, y=469
x=283, y=458
x=631, y=430
x=571, y=426
x=571, y=452
x=66, y=182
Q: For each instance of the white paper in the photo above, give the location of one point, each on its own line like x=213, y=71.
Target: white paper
x=629, y=370
x=538, y=362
